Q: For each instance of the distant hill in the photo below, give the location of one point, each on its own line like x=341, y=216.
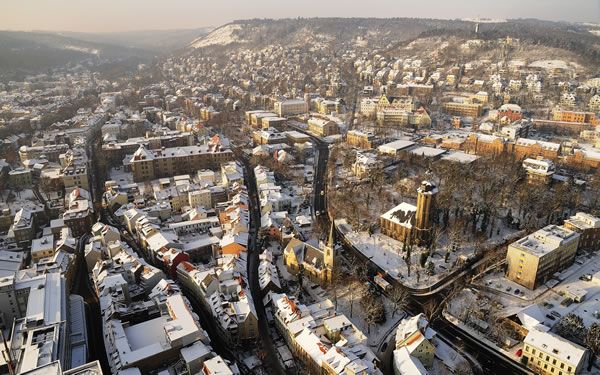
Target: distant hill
x=157, y=41
x=32, y=52
x=376, y=33
x=325, y=32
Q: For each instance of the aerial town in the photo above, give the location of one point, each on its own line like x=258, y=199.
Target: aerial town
x=274, y=197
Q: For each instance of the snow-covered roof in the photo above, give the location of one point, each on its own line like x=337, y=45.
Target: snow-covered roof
x=405, y=213
x=546, y=240
x=395, y=146
x=584, y=220
x=404, y=363
x=563, y=349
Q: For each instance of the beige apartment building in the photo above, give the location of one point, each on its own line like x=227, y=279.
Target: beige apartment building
x=75, y=176
x=533, y=260
x=464, y=109
x=322, y=127
x=549, y=354
x=152, y=164
x=588, y=227
x=359, y=139
x=291, y=107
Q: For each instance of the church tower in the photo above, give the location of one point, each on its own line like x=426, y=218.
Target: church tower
x=329, y=254
x=425, y=205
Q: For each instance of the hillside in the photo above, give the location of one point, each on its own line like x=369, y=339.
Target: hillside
x=157, y=41
x=327, y=32
x=375, y=33
x=32, y=52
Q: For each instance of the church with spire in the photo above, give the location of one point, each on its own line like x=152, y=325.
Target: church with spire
x=315, y=261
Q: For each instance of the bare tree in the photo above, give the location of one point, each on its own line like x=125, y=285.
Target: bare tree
x=399, y=298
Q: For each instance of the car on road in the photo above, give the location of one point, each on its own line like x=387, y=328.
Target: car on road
x=550, y=317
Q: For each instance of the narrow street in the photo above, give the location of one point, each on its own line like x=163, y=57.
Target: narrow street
x=83, y=286
x=271, y=361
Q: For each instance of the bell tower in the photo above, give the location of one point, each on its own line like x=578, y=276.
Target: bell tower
x=425, y=205
x=329, y=254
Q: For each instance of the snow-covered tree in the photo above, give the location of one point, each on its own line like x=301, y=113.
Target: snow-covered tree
x=571, y=327
x=592, y=340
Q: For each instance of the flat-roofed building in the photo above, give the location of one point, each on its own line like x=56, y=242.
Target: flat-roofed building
x=464, y=109
x=533, y=259
x=256, y=119
x=588, y=227
x=393, y=148
x=42, y=248
x=294, y=136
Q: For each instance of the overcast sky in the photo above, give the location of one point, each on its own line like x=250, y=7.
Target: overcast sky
x=127, y=15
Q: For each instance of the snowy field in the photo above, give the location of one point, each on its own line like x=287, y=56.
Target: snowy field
x=19, y=199
x=387, y=254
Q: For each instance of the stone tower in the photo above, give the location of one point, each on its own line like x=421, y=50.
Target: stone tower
x=329, y=254
x=425, y=205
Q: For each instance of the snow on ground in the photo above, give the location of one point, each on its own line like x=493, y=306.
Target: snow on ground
x=386, y=253
x=555, y=291
x=19, y=199
x=348, y=303
x=221, y=36
x=92, y=51
x=120, y=176
x=473, y=332
x=448, y=356
x=550, y=64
